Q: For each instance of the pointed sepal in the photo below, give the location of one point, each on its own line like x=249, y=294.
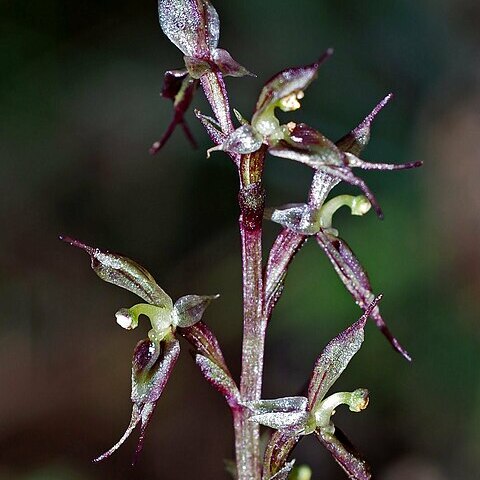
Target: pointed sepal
x=356, y=140
x=356, y=281
x=335, y=358
x=125, y=273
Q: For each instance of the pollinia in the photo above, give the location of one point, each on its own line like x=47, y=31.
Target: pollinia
x=193, y=27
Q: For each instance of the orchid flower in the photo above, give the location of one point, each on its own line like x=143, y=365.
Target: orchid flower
x=155, y=357
x=301, y=142
x=193, y=27
x=295, y=417
x=315, y=218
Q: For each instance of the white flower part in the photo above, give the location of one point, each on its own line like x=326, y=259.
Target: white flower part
x=124, y=319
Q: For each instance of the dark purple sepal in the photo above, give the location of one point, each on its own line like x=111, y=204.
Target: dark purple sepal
x=152, y=366
x=356, y=281
x=286, y=245
x=179, y=87
x=192, y=26
x=356, y=140
x=344, y=454
x=123, y=272
x=277, y=452
x=288, y=81
x=335, y=357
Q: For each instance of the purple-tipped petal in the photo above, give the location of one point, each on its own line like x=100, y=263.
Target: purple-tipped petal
x=180, y=88
x=220, y=379
x=335, y=358
x=192, y=26
x=125, y=273
x=354, y=161
x=189, y=309
x=356, y=281
x=356, y=140
x=277, y=452
x=288, y=81
x=345, y=455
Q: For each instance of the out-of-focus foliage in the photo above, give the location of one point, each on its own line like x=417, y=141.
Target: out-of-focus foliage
x=80, y=108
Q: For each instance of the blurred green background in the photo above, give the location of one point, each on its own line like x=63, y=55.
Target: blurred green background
x=79, y=110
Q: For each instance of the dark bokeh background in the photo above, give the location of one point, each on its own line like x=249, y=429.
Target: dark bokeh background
x=79, y=109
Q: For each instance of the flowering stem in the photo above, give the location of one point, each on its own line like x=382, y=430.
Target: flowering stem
x=251, y=200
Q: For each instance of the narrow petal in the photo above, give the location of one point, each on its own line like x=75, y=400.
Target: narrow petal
x=192, y=26
x=345, y=455
x=220, y=379
x=354, y=161
x=335, y=358
x=189, y=309
x=356, y=140
x=125, y=273
x=277, y=452
x=356, y=281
